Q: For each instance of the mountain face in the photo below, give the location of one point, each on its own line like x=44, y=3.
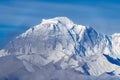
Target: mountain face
x=58, y=49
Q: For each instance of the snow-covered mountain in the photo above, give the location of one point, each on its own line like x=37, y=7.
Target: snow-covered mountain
x=58, y=49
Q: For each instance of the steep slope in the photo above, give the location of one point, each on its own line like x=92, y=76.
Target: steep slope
x=60, y=32
x=67, y=47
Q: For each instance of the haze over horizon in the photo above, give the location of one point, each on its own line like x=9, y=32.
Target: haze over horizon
x=17, y=16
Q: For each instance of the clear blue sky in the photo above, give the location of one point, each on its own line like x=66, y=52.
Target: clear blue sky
x=16, y=16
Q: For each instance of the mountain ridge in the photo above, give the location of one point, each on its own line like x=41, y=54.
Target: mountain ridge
x=63, y=45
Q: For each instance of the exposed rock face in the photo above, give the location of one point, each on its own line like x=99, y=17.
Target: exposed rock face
x=64, y=48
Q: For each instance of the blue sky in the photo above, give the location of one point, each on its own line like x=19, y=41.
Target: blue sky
x=16, y=16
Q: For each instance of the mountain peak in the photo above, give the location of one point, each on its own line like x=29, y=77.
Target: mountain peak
x=116, y=35
x=67, y=46
x=59, y=30
x=57, y=19
x=53, y=23
x=62, y=20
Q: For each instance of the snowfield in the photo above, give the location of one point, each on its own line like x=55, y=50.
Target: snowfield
x=58, y=49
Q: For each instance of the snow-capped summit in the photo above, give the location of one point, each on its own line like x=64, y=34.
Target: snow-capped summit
x=63, y=20
x=63, y=45
x=60, y=31
x=50, y=22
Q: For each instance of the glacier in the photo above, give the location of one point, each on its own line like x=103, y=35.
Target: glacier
x=58, y=49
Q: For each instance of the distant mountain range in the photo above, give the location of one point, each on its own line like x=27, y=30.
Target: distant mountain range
x=58, y=49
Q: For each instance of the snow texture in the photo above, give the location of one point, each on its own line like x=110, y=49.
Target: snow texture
x=58, y=49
